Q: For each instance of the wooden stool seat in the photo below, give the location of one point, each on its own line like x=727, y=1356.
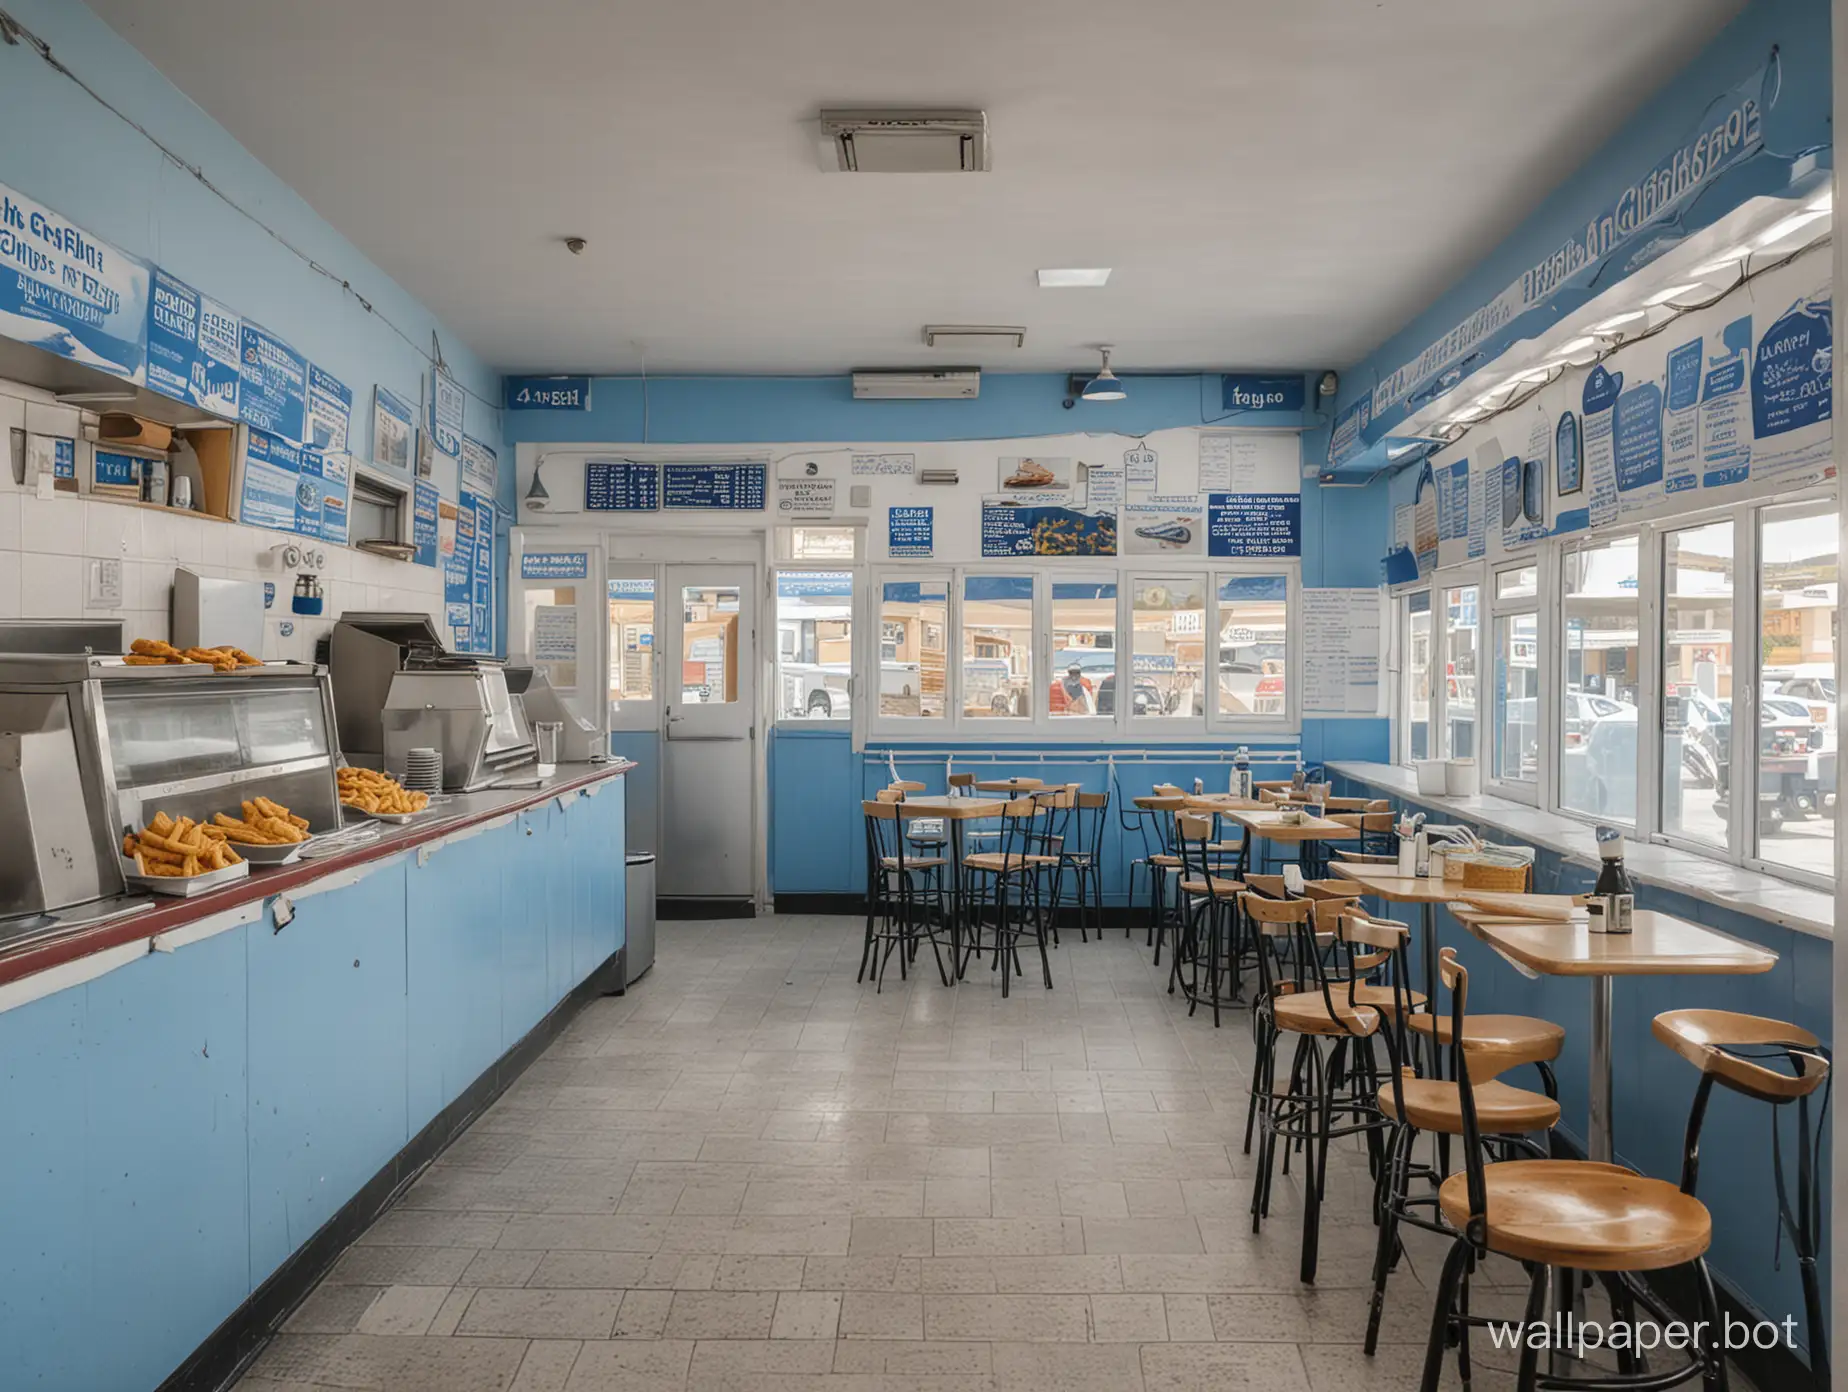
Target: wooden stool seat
x=1305, y=1012
x=1703, y=1038
x=1500, y=1041
x=929, y=863
x=1224, y=889
x=1433, y=1105
x=999, y=861
x=1166, y=862
x=1270, y=886
x=1582, y=1215
x=1386, y=998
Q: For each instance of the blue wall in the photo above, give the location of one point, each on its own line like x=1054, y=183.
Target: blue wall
x=170, y=1132
x=69, y=153
x=1797, y=124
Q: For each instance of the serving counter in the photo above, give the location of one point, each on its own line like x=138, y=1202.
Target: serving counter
x=204, y=1099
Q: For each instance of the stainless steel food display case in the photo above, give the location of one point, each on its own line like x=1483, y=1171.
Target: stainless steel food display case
x=91, y=746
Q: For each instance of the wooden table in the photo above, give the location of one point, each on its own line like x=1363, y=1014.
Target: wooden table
x=957, y=812
x=1264, y=825
x=1660, y=946
x=1010, y=785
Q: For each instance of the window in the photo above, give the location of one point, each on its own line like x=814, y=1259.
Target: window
x=1697, y=682
x=802, y=543
x=914, y=621
x=1462, y=627
x=1084, y=654
x=1599, y=679
x=1418, y=711
x=814, y=644
x=1515, y=715
x=1253, y=651
x=1520, y=582
x=1798, y=735
x=1168, y=651
x=632, y=626
x=709, y=645
x=997, y=648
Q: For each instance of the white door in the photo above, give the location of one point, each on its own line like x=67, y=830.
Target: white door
x=708, y=700
x=557, y=623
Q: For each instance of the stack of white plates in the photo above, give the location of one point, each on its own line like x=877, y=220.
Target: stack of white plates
x=423, y=771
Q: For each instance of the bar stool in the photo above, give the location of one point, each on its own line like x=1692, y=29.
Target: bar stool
x=1737, y=1051
x=1162, y=863
x=1006, y=880
x=902, y=893
x=1319, y=1004
x=1496, y=1043
x=1211, y=911
x=1047, y=849
x=1578, y=1215
x=1082, y=857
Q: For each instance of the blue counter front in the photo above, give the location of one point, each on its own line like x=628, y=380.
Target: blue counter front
x=180, y=1116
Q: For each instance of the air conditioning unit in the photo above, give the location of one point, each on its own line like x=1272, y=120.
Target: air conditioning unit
x=950, y=383
x=862, y=141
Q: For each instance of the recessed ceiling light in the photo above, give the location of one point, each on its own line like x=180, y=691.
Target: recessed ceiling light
x=1074, y=278
x=1673, y=292
x=1617, y=321
x=1778, y=231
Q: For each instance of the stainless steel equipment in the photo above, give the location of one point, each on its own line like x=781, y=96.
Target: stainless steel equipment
x=61, y=636
x=639, y=948
x=90, y=746
x=209, y=613
x=579, y=740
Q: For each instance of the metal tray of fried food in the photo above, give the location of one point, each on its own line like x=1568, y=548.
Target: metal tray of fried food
x=185, y=886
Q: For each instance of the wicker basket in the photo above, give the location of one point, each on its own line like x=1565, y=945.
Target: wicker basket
x=1488, y=874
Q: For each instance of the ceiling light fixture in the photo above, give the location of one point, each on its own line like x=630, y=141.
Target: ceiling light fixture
x=1617, y=321
x=1673, y=292
x=537, y=496
x=1778, y=231
x=1074, y=278
x=1725, y=261
x=1106, y=386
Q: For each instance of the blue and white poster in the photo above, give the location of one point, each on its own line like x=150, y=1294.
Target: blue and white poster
x=192, y=347
x=1793, y=392
x=1598, y=438
x=272, y=467
x=424, y=504
x=1013, y=528
x=712, y=487
x=555, y=565
x=1254, y=524
x=330, y=410
x=482, y=595
x=909, y=533
x=459, y=579
x=620, y=486
x=1638, y=430
x=393, y=424
x=548, y=393
x=447, y=402
x=69, y=293
x=321, y=496
x=480, y=468
x=1348, y=439
x=1681, y=419
x=1726, y=409
x=274, y=393
x=1250, y=391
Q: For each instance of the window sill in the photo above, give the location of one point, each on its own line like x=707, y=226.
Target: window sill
x=1793, y=906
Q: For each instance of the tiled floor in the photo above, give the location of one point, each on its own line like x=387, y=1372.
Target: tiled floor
x=752, y=1173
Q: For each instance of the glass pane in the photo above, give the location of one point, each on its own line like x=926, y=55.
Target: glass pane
x=1523, y=583
x=1697, y=681
x=997, y=648
x=1461, y=606
x=914, y=621
x=632, y=634
x=1168, y=655
x=814, y=644
x=283, y=725
x=157, y=736
x=1418, y=675
x=1798, y=735
x=708, y=645
x=551, y=632
x=1083, y=649
x=822, y=543
x=1597, y=757
x=1251, y=644
x=1516, y=716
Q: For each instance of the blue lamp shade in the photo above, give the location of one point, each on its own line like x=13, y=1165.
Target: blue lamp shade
x=1106, y=386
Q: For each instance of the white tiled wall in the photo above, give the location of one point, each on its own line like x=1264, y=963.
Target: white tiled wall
x=46, y=546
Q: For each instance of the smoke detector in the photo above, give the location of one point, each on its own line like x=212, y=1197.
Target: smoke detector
x=903, y=141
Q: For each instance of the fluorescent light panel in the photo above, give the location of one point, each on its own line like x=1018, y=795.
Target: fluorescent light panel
x=1074, y=278
x=1778, y=231
x=1673, y=292
x=1617, y=321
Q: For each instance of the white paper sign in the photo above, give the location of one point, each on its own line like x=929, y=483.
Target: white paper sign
x=555, y=642
x=884, y=465
x=1341, y=652
x=1139, y=465
x=1104, y=490
x=805, y=497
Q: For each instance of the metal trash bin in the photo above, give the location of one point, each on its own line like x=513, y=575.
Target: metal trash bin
x=639, y=952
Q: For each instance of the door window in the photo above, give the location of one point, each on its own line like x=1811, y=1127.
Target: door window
x=708, y=645
x=632, y=639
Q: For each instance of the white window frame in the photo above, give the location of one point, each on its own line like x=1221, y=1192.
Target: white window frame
x=911, y=726
x=1036, y=699
x=1402, y=624
x=636, y=717
x=855, y=618
x=1513, y=789
x=1555, y=726
x=1080, y=726
x=1257, y=726
x=1467, y=576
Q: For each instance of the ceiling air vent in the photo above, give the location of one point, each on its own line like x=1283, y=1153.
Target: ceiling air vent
x=961, y=383
x=975, y=338
x=862, y=141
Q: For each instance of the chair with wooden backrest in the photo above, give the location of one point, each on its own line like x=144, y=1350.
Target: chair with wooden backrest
x=1778, y=1064
x=889, y=795
x=1008, y=881
x=903, y=892
x=1059, y=804
x=1163, y=863
x=1576, y=1215
x=1320, y=1003
x=1208, y=915
x=1082, y=857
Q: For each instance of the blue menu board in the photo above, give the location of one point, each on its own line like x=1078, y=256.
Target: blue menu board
x=482, y=596
x=274, y=396
x=330, y=409
x=621, y=487
x=713, y=487
x=192, y=346
x=1254, y=524
x=291, y=489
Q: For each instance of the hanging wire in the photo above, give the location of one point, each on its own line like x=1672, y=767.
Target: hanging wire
x=16, y=35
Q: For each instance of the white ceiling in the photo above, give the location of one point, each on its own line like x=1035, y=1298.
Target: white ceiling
x=1274, y=184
